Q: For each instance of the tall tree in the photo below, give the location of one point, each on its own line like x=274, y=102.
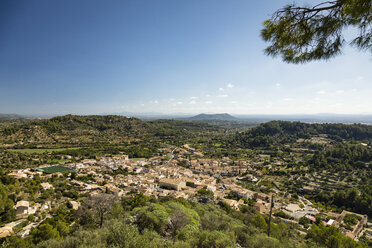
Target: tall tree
x=301, y=34
x=96, y=207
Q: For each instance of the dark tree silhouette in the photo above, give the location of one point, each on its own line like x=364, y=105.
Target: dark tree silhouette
x=301, y=34
x=96, y=207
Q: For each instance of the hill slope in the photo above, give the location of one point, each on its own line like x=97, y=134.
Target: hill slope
x=281, y=132
x=72, y=129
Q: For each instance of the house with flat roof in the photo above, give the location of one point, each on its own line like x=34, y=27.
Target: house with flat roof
x=22, y=207
x=46, y=186
x=242, y=193
x=172, y=183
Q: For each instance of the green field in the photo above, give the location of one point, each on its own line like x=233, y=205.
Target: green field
x=42, y=150
x=54, y=169
x=135, y=159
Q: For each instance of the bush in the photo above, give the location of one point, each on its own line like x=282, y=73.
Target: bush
x=283, y=215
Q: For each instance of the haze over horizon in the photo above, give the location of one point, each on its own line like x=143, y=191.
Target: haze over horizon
x=94, y=57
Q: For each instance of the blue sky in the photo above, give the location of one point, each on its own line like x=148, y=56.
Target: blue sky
x=165, y=56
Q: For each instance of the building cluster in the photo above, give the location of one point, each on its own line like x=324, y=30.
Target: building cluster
x=173, y=174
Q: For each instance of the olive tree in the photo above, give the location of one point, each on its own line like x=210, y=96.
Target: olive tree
x=96, y=207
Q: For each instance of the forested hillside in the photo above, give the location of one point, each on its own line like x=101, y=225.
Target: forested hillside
x=324, y=169
x=281, y=132
x=141, y=221
x=72, y=129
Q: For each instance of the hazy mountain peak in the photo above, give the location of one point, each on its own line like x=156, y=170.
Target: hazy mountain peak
x=223, y=116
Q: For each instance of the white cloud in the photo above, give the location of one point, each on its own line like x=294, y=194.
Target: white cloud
x=340, y=91
x=288, y=99
x=142, y=104
x=220, y=89
x=172, y=99
x=230, y=86
x=321, y=92
x=234, y=102
x=179, y=103
x=193, y=97
x=192, y=102
x=359, y=78
x=207, y=95
x=277, y=85
x=208, y=102
x=222, y=96
x=156, y=101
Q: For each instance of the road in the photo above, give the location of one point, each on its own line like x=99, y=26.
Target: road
x=171, y=155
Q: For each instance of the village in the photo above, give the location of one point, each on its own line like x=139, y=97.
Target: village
x=177, y=172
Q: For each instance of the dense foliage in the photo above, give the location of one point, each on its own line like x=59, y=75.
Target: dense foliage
x=83, y=130
x=301, y=33
x=276, y=133
x=334, y=159
x=141, y=221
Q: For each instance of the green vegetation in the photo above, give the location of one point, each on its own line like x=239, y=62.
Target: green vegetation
x=343, y=153
x=277, y=133
x=41, y=150
x=329, y=236
x=7, y=212
x=329, y=164
x=302, y=33
x=92, y=136
x=73, y=131
x=283, y=215
x=167, y=222
x=351, y=219
x=54, y=169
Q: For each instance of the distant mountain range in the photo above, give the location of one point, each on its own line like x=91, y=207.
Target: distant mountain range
x=10, y=116
x=207, y=117
x=225, y=117
x=260, y=118
x=311, y=118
